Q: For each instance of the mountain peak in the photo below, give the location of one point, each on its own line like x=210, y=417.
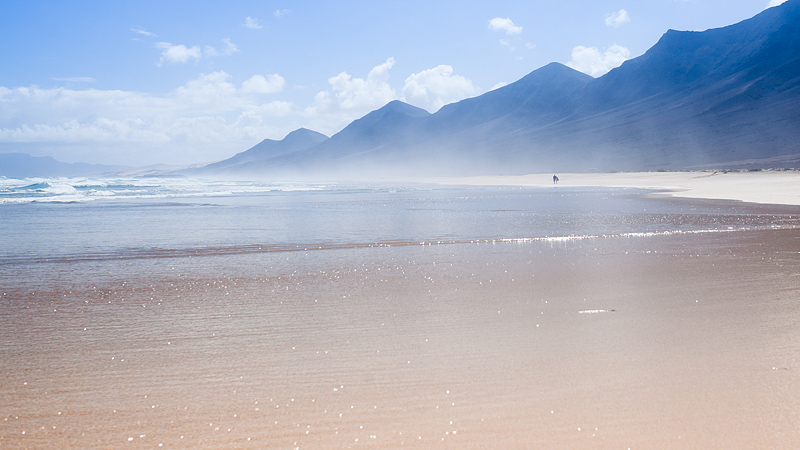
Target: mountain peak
x=394, y=110
x=556, y=68
x=550, y=73
x=303, y=135
x=398, y=106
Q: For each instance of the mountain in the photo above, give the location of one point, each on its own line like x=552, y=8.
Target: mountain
x=21, y=165
x=250, y=161
x=345, y=153
x=725, y=97
x=396, y=123
x=547, y=94
x=721, y=98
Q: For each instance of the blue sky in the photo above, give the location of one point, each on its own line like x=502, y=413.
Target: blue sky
x=178, y=82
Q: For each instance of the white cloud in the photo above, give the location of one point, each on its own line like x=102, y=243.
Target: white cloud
x=354, y=97
x=143, y=32
x=252, y=22
x=433, y=88
x=618, y=18
x=498, y=85
x=230, y=48
x=498, y=23
x=775, y=3
x=208, y=118
x=212, y=91
x=280, y=13
x=530, y=46
x=349, y=98
x=258, y=84
x=591, y=61
x=272, y=109
x=177, y=53
x=182, y=54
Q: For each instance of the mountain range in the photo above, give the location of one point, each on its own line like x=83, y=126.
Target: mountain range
x=725, y=98
x=722, y=98
x=22, y=165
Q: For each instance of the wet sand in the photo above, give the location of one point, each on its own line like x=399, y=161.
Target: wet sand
x=681, y=341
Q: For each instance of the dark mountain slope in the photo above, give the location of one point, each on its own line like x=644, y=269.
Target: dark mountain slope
x=683, y=60
x=725, y=97
x=713, y=98
x=546, y=94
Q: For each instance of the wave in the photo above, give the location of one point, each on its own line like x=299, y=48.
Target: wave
x=34, y=187
x=71, y=190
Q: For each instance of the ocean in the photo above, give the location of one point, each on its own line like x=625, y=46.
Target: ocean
x=206, y=314
x=66, y=219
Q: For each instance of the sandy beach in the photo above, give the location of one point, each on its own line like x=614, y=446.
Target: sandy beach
x=768, y=187
x=683, y=341
x=685, y=338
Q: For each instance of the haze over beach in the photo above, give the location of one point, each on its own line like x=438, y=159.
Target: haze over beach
x=448, y=225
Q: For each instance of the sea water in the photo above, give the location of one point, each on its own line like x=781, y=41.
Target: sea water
x=63, y=219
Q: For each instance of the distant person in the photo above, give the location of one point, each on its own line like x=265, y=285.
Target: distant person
x=555, y=179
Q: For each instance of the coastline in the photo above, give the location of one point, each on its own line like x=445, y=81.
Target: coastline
x=630, y=340
x=765, y=187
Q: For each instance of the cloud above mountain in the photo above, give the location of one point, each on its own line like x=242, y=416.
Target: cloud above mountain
x=209, y=114
x=209, y=111
x=355, y=96
x=592, y=61
x=349, y=98
x=433, y=88
x=260, y=84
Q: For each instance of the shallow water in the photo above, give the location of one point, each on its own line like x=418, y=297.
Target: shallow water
x=177, y=217
x=677, y=329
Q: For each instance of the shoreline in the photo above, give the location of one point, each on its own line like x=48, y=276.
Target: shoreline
x=640, y=341
x=764, y=187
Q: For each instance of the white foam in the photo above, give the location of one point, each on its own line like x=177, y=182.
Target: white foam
x=88, y=189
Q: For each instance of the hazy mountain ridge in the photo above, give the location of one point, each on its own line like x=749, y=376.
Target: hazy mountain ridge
x=21, y=165
x=251, y=160
x=725, y=97
x=722, y=98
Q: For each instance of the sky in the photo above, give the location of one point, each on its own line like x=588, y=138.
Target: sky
x=181, y=82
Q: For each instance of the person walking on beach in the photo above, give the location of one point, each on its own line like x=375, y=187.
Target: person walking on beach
x=555, y=179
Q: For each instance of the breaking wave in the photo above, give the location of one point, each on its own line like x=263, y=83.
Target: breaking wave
x=72, y=190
